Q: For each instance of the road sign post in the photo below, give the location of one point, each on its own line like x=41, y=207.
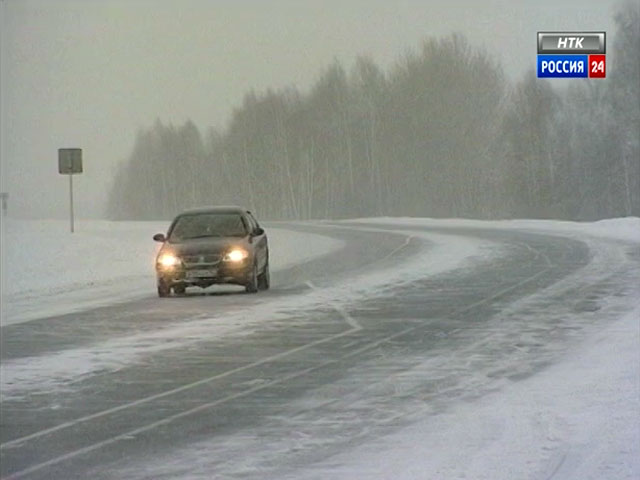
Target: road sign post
x=71, y=200
x=70, y=163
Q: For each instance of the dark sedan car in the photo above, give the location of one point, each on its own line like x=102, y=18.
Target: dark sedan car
x=215, y=245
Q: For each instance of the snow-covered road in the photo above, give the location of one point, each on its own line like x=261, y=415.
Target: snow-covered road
x=388, y=348
x=46, y=271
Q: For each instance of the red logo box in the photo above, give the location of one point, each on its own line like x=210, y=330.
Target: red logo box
x=597, y=66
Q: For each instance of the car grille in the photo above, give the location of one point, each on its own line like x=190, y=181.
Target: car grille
x=207, y=259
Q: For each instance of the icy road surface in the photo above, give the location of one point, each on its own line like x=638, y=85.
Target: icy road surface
x=387, y=348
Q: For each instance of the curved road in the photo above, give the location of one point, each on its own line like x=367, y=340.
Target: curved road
x=264, y=401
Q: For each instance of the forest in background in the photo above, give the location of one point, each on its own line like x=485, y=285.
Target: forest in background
x=442, y=134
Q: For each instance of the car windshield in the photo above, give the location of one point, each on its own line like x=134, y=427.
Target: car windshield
x=207, y=225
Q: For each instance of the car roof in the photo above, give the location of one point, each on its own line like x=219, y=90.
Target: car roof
x=216, y=209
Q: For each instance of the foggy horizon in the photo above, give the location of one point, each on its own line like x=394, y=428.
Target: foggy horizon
x=91, y=75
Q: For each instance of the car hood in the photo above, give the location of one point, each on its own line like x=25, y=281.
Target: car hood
x=205, y=245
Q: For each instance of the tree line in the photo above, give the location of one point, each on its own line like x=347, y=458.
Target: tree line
x=442, y=134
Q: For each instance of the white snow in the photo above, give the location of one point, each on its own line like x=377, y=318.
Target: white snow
x=57, y=371
x=577, y=419
x=48, y=271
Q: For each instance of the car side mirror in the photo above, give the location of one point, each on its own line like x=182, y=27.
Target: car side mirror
x=159, y=237
x=258, y=231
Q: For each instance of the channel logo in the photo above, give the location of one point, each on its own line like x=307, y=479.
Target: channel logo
x=571, y=55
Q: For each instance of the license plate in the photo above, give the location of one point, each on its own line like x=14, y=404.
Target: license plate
x=202, y=273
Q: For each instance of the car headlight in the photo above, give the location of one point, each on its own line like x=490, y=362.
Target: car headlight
x=236, y=255
x=168, y=260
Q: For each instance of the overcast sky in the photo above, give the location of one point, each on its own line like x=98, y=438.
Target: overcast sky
x=90, y=73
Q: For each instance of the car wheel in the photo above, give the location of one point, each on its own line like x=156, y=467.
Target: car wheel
x=179, y=289
x=264, y=280
x=252, y=285
x=163, y=290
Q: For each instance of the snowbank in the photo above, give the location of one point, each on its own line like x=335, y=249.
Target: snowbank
x=625, y=229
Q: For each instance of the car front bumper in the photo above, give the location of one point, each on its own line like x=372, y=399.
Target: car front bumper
x=204, y=276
